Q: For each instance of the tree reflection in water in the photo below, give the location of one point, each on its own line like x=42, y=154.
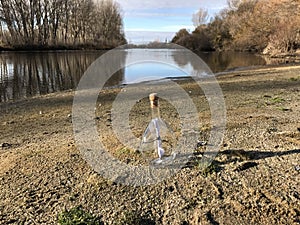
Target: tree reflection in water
x=27, y=74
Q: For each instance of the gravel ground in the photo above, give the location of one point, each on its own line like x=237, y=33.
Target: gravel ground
x=254, y=179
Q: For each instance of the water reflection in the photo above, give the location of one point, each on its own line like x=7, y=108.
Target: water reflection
x=26, y=74
x=162, y=65
x=224, y=61
x=29, y=74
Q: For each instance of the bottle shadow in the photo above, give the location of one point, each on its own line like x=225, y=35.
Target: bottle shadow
x=256, y=154
x=248, y=159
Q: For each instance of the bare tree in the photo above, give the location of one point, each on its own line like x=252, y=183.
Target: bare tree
x=60, y=22
x=234, y=4
x=200, y=17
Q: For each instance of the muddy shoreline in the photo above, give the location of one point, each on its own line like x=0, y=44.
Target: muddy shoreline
x=254, y=180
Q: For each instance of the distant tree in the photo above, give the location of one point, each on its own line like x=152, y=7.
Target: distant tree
x=200, y=17
x=109, y=23
x=241, y=25
x=254, y=25
x=198, y=40
x=284, y=29
x=182, y=33
x=201, y=39
x=218, y=33
x=44, y=23
x=234, y=4
x=269, y=26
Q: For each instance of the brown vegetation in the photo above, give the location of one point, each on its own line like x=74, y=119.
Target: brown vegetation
x=60, y=24
x=198, y=40
x=271, y=27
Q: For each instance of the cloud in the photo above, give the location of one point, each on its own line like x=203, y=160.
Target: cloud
x=146, y=36
x=159, y=4
x=160, y=8
x=167, y=28
x=150, y=20
x=156, y=14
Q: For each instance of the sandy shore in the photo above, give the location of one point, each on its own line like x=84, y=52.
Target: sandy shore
x=254, y=179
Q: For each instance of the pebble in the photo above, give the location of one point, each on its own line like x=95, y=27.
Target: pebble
x=6, y=145
x=8, y=122
x=201, y=143
x=297, y=168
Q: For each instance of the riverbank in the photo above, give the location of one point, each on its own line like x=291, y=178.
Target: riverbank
x=64, y=47
x=253, y=180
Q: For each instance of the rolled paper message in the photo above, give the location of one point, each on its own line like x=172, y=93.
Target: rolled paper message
x=153, y=100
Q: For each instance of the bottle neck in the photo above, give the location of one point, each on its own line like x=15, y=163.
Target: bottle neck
x=155, y=112
x=154, y=103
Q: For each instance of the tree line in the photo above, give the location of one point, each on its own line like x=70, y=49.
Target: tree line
x=265, y=26
x=60, y=24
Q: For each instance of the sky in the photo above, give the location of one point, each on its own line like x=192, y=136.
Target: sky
x=159, y=20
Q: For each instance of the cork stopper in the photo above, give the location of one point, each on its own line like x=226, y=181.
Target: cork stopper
x=153, y=100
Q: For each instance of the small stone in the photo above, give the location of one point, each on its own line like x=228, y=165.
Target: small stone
x=6, y=145
x=267, y=96
x=69, y=115
x=246, y=166
x=201, y=143
x=297, y=168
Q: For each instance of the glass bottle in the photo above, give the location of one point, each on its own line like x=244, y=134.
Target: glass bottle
x=158, y=139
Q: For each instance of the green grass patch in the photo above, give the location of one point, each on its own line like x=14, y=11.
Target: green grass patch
x=294, y=79
x=277, y=100
x=283, y=109
x=77, y=216
x=208, y=168
x=274, y=100
x=124, y=151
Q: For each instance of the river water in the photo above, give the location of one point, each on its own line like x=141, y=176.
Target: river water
x=27, y=74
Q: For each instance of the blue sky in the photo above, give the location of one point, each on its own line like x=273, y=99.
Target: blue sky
x=158, y=20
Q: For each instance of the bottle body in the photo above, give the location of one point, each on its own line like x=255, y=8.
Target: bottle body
x=158, y=139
